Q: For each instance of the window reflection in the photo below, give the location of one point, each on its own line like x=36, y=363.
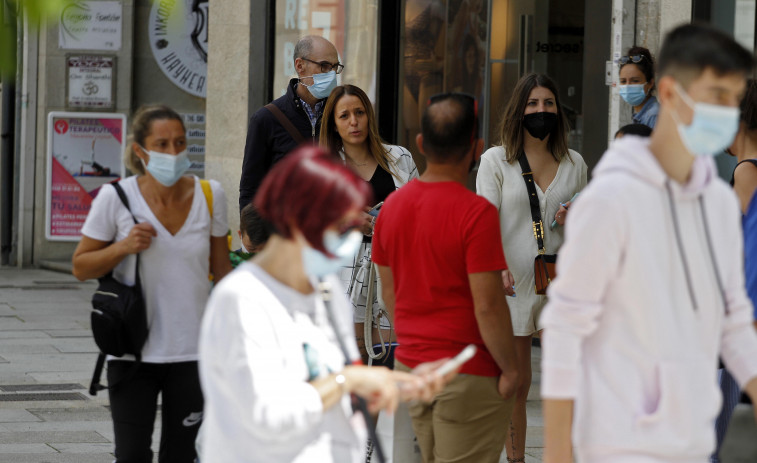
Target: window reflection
x=351, y=25
x=444, y=50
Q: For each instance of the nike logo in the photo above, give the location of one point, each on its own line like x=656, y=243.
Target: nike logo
x=192, y=419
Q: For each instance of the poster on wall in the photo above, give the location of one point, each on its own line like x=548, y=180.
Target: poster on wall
x=84, y=152
x=90, y=81
x=195, y=124
x=91, y=25
x=178, y=32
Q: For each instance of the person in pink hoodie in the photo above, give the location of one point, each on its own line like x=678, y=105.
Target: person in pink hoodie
x=650, y=289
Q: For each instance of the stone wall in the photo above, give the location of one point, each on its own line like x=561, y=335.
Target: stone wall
x=226, y=107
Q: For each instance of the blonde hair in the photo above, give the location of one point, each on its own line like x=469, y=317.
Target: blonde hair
x=329, y=137
x=141, y=127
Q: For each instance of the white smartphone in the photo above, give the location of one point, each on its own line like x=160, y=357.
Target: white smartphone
x=464, y=355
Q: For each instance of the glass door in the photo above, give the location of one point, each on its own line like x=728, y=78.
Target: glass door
x=536, y=36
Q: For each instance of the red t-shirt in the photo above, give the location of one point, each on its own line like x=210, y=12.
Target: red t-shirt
x=432, y=235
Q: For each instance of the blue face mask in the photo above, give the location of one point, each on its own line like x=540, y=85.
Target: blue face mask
x=344, y=248
x=712, y=128
x=167, y=169
x=322, y=85
x=633, y=94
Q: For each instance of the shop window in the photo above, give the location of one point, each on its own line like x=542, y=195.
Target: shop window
x=444, y=51
x=351, y=25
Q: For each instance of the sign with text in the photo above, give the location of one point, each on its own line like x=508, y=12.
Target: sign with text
x=178, y=32
x=91, y=25
x=90, y=82
x=83, y=154
x=195, y=123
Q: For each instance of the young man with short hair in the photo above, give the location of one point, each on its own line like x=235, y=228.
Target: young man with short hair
x=650, y=289
x=437, y=248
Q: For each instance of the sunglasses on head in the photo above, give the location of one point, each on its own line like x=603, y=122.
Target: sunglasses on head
x=470, y=99
x=631, y=59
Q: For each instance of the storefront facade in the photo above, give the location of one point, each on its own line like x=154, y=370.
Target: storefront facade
x=399, y=52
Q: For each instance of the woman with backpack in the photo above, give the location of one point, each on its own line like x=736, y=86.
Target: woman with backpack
x=180, y=239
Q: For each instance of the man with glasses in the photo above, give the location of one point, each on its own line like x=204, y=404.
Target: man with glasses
x=294, y=118
x=442, y=286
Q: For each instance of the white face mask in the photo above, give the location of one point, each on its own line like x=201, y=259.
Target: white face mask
x=343, y=247
x=712, y=128
x=167, y=169
x=322, y=84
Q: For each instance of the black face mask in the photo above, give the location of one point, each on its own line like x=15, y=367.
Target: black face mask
x=539, y=125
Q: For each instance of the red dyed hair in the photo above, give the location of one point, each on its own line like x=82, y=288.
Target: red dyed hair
x=309, y=190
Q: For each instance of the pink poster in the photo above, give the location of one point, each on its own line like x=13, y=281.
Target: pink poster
x=84, y=153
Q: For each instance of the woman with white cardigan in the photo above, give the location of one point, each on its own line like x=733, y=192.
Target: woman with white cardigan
x=533, y=128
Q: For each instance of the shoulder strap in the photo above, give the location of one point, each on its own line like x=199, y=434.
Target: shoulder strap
x=733, y=174
x=125, y=201
x=208, y=192
x=285, y=122
x=95, y=385
x=751, y=161
x=533, y=201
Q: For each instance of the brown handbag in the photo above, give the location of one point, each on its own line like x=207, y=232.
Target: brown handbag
x=544, y=264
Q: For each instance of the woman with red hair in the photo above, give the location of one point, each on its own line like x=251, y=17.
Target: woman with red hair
x=272, y=349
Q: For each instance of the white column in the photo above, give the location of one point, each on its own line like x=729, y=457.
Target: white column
x=617, y=51
x=227, y=99
x=673, y=13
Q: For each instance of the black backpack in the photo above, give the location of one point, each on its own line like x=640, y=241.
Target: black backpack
x=119, y=316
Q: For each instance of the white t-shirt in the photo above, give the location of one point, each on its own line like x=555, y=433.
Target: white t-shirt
x=260, y=344
x=173, y=270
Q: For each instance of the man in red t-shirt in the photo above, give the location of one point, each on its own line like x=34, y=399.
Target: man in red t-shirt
x=437, y=247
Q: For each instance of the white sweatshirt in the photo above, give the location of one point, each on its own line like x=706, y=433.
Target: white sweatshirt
x=636, y=320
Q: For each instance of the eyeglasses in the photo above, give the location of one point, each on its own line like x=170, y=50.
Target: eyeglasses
x=326, y=66
x=632, y=59
x=468, y=98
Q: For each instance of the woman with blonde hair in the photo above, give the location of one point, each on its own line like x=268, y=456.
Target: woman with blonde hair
x=179, y=239
x=349, y=128
x=534, y=134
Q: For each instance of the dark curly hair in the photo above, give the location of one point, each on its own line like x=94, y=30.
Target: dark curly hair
x=646, y=65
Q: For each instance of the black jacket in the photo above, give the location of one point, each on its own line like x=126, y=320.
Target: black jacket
x=268, y=142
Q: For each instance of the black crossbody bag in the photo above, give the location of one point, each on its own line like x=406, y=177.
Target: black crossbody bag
x=544, y=264
x=118, y=317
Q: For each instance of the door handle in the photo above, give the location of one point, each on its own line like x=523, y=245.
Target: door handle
x=525, y=56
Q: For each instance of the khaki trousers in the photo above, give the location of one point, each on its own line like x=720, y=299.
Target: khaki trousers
x=466, y=422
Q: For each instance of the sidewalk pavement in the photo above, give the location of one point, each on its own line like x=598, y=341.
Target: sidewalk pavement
x=46, y=360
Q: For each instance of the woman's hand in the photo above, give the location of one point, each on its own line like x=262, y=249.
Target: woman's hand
x=368, y=221
x=509, y=281
x=139, y=238
x=562, y=213
x=377, y=385
x=383, y=389
x=425, y=382
x=93, y=258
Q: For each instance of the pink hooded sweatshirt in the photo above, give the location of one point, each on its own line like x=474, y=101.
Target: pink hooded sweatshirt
x=650, y=291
